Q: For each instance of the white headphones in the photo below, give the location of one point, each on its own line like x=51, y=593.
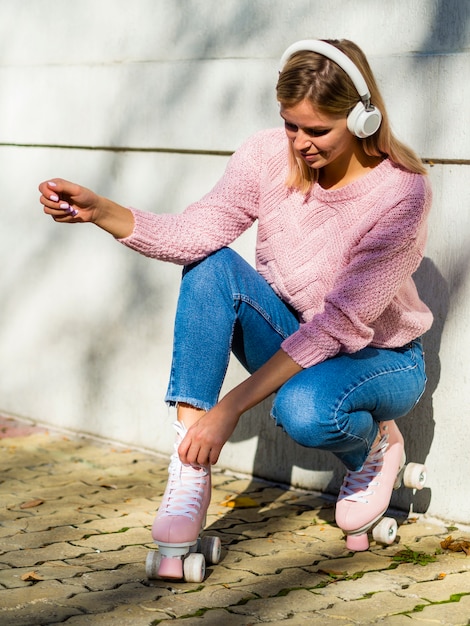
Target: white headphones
x=364, y=120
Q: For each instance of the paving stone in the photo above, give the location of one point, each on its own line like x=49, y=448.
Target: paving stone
x=130, y=615
x=449, y=614
x=284, y=607
x=37, y=614
x=283, y=561
x=411, y=620
x=65, y=491
x=283, y=582
x=235, y=487
x=220, y=575
x=190, y=604
x=37, y=523
x=439, y=590
x=110, y=560
x=309, y=618
x=39, y=592
x=40, y=539
x=114, y=540
x=445, y=564
x=365, y=611
x=356, y=563
x=135, y=519
x=100, y=510
x=369, y=583
x=272, y=525
x=214, y=617
x=133, y=593
x=258, y=547
x=110, y=579
x=269, y=563
x=419, y=528
x=60, y=571
x=30, y=558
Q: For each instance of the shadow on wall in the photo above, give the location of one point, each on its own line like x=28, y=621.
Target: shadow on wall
x=277, y=450
x=277, y=455
x=447, y=35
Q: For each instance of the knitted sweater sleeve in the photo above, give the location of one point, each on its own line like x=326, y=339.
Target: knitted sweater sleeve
x=213, y=222
x=379, y=266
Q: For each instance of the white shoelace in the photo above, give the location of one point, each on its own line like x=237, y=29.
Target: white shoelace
x=186, y=485
x=358, y=486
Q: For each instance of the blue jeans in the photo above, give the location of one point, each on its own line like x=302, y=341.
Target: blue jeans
x=225, y=306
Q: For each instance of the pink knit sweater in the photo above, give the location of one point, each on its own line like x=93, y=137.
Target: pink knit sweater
x=342, y=258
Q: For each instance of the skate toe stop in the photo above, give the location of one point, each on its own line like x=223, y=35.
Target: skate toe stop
x=171, y=568
x=357, y=543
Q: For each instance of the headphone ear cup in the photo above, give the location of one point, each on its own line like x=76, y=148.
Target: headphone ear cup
x=364, y=123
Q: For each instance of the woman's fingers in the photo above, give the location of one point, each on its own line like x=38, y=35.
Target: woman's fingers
x=57, y=199
x=201, y=446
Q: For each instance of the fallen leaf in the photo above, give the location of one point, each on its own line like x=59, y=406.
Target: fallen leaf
x=32, y=504
x=239, y=502
x=456, y=545
x=31, y=577
x=441, y=576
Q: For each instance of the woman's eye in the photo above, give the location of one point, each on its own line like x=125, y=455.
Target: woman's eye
x=317, y=133
x=292, y=127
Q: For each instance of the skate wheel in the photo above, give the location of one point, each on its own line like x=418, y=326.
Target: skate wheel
x=415, y=476
x=386, y=531
x=152, y=564
x=211, y=548
x=357, y=543
x=194, y=568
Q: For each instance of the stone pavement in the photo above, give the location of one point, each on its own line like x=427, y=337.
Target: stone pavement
x=75, y=519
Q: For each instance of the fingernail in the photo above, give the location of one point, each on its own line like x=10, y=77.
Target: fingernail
x=64, y=205
x=74, y=212
x=52, y=184
x=54, y=197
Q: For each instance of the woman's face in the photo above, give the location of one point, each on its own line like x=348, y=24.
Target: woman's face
x=321, y=140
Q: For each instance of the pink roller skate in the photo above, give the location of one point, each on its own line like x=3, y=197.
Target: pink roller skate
x=180, y=518
x=365, y=495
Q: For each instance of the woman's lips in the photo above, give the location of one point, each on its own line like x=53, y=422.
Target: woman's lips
x=309, y=157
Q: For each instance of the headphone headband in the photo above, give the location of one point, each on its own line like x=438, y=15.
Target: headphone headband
x=333, y=53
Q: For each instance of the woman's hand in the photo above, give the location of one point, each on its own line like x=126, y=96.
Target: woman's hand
x=68, y=202
x=206, y=438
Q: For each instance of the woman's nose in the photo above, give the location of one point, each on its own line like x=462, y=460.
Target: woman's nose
x=302, y=141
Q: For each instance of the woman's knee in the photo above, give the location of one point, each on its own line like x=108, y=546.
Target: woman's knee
x=220, y=258
x=302, y=415
x=211, y=269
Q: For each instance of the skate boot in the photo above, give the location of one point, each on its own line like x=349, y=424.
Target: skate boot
x=365, y=495
x=179, y=521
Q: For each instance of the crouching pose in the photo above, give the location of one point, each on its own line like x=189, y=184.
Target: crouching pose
x=329, y=321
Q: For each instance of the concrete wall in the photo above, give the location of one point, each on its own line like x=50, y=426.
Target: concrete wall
x=137, y=101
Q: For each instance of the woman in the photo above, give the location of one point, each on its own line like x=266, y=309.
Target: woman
x=330, y=319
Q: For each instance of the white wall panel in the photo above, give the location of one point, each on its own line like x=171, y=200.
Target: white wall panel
x=86, y=325
x=201, y=75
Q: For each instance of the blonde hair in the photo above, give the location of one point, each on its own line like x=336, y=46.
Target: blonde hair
x=310, y=76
